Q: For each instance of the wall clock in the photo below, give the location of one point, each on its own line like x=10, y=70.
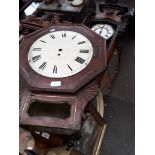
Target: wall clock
x=61, y=58
x=115, y=17
x=60, y=65
x=104, y=30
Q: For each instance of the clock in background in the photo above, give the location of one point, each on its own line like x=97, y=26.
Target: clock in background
x=106, y=31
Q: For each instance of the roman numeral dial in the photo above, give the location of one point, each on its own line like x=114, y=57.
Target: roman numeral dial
x=36, y=58
x=52, y=36
x=64, y=35
x=82, y=42
x=84, y=51
x=104, y=30
x=43, y=65
x=79, y=60
x=36, y=49
x=70, y=67
x=59, y=54
x=55, y=69
x=43, y=41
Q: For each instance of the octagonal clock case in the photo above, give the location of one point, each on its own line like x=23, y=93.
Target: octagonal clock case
x=61, y=58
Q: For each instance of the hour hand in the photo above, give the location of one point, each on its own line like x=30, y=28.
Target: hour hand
x=100, y=32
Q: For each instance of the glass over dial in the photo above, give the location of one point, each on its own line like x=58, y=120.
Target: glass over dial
x=104, y=30
x=60, y=54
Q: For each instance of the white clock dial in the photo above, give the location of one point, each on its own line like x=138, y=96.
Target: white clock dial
x=104, y=30
x=60, y=54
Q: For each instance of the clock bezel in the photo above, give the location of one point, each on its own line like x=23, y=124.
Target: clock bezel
x=105, y=24
x=72, y=83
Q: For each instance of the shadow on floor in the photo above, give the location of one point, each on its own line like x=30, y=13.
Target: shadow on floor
x=120, y=103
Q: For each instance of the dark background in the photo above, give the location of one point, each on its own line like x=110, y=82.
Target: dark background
x=120, y=101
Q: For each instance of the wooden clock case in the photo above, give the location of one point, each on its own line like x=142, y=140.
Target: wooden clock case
x=76, y=91
x=118, y=17
x=69, y=84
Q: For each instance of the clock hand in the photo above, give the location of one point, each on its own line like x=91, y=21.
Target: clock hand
x=105, y=29
x=100, y=32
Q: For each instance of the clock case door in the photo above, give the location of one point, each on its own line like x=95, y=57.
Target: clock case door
x=56, y=113
x=69, y=84
x=51, y=113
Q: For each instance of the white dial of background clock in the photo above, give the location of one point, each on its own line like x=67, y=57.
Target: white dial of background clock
x=104, y=30
x=60, y=54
